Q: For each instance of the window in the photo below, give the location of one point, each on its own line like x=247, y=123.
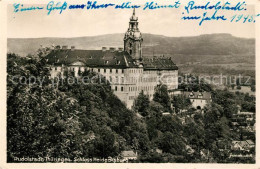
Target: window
x=73, y=69
x=105, y=70
x=98, y=70
x=122, y=79
x=55, y=68
x=110, y=70
x=110, y=78
x=116, y=70
x=122, y=88
x=122, y=70
x=115, y=88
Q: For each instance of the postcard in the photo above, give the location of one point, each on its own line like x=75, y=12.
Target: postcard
x=129, y=84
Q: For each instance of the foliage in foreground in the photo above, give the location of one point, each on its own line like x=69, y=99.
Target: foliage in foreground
x=76, y=120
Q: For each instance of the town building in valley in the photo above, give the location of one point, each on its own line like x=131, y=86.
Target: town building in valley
x=198, y=99
x=127, y=70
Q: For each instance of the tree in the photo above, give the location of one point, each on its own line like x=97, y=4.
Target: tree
x=171, y=143
x=181, y=103
x=253, y=88
x=41, y=121
x=195, y=135
x=161, y=96
x=141, y=104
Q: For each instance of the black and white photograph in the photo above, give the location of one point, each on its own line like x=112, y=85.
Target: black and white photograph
x=131, y=82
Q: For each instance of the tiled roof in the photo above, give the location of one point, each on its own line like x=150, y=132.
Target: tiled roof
x=250, y=142
x=92, y=58
x=99, y=58
x=159, y=63
x=243, y=143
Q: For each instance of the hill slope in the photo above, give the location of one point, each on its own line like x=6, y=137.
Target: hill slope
x=195, y=48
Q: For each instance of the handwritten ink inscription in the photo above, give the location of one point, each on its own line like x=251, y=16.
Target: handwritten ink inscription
x=209, y=11
x=20, y=8
x=58, y=6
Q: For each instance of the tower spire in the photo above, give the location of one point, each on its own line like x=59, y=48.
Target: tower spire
x=133, y=38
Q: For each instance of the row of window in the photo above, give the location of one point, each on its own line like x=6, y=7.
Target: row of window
x=131, y=79
x=140, y=88
x=116, y=79
x=135, y=71
x=140, y=79
x=192, y=100
x=99, y=70
x=116, y=89
x=110, y=70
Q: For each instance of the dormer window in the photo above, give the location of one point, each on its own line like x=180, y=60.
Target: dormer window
x=200, y=96
x=191, y=95
x=118, y=62
x=106, y=62
x=90, y=57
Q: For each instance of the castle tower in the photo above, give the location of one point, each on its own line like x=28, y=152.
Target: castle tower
x=133, y=39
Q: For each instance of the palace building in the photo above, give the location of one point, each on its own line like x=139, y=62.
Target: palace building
x=127, y=70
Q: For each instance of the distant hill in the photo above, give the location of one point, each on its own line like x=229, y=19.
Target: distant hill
x=209, y=48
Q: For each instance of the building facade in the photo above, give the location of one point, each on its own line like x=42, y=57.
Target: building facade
x=198, y=99
x=127, y=70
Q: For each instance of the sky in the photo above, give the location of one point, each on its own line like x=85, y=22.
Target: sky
x=77, y=23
